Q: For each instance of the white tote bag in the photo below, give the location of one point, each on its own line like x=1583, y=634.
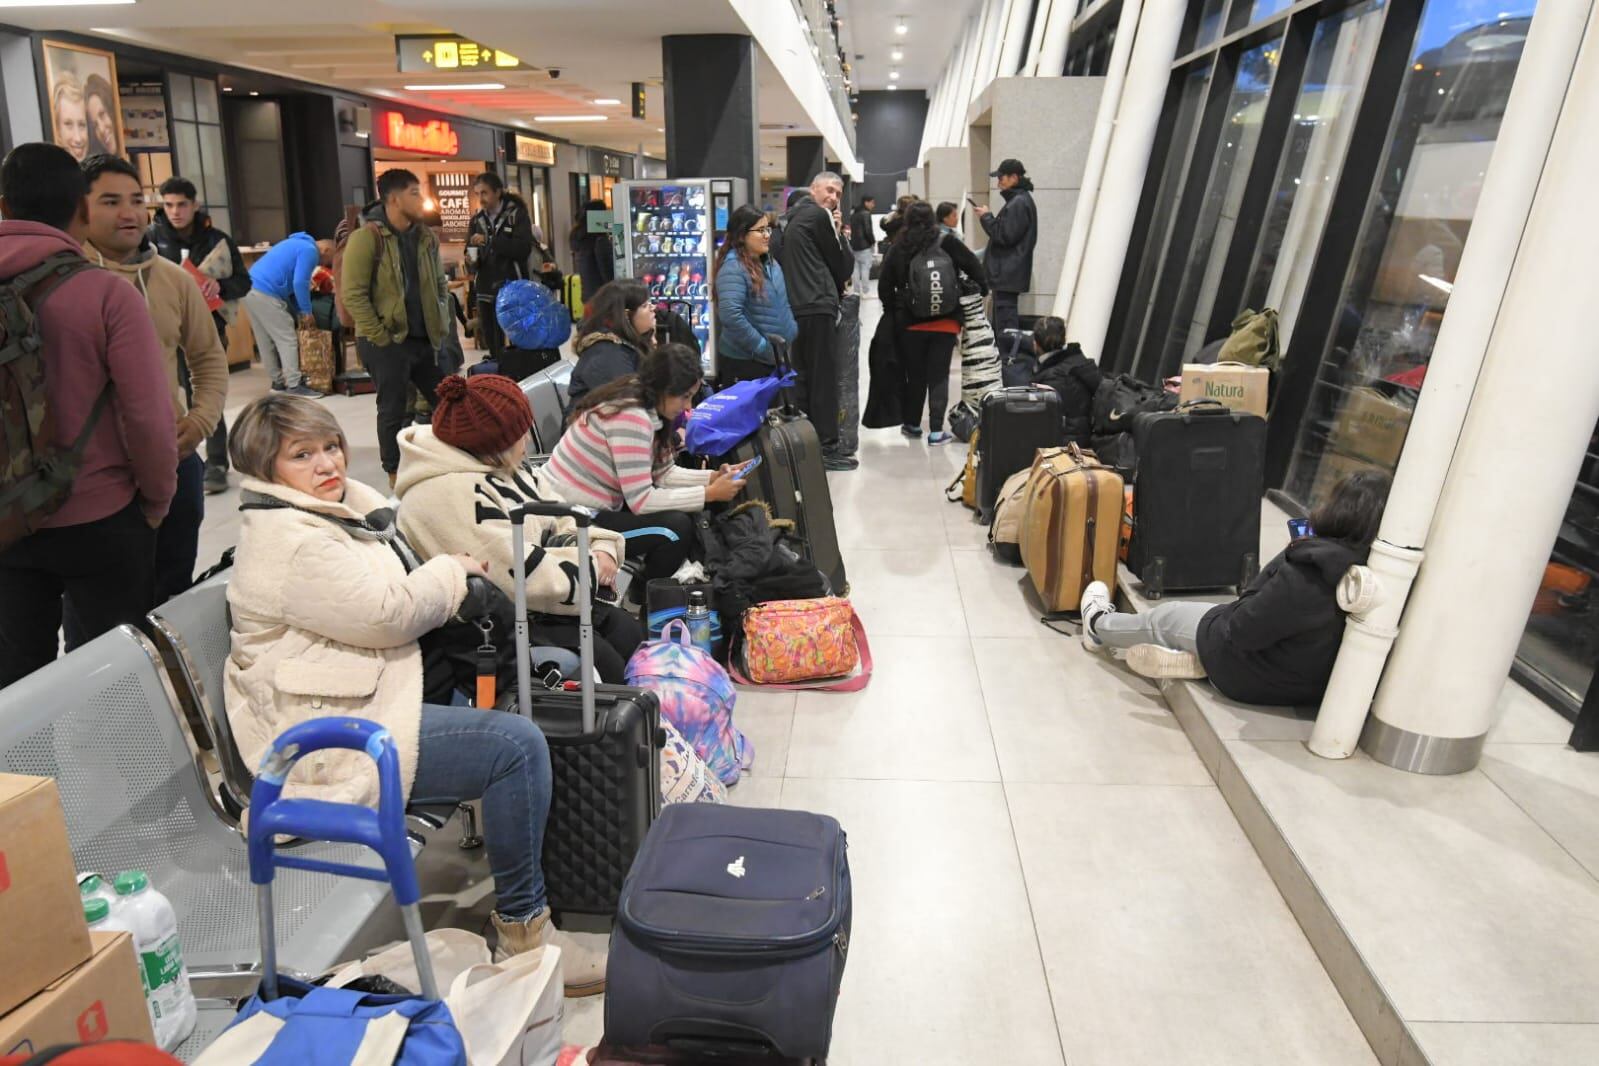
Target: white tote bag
x=509, y=1013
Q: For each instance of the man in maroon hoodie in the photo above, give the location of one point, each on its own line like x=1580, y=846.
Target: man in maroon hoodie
x=98, y=550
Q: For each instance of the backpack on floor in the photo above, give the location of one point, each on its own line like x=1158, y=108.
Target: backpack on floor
x=934, y=288
x=696, y=696
x=964, y=487
x=38, y=473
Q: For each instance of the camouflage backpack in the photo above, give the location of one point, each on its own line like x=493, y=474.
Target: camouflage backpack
x=38, y=473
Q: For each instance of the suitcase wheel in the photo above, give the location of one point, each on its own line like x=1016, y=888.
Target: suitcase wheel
x=1154, y=576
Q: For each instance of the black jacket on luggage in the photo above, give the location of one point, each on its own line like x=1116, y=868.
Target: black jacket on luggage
x=816, y=261
x=508, y=241
x=1012, y=234
x=1076, y=378
x=1276, y=644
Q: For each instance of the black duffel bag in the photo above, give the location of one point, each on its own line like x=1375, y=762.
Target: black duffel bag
x=1121, y=397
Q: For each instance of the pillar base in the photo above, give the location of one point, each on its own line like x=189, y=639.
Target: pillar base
x=1417, y=753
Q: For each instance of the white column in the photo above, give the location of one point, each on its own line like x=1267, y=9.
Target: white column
x=966, y=89
x=1052, y=56
x=1014, y=44
x=1148, y=72
x=1094, y=170
x=1035, y=45
x=1523, y=443
x=1481, y=283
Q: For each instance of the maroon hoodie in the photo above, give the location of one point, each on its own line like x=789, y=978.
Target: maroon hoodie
x=96, y=328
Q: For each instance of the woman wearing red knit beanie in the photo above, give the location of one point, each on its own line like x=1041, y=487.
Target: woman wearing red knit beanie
x=459, y=479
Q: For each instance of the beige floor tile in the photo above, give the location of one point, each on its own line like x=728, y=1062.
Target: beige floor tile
x=1525, y=719
x=962, y=529
x=907, y=592
x=1239, y=721
x=767, y=719
x=920, y=719
x=756, y=792
x=876, y=510
x=1557, y=787
x=1508, y=1044
x=998, y=599
x=1465, y=908
x=1164, y=940
x=943, y=965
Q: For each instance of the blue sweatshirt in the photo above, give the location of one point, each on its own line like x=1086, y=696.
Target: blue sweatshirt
x=285, y=271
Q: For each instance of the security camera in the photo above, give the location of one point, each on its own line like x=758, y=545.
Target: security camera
x=555, y=72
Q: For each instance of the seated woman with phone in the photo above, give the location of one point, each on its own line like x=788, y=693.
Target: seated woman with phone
x=1275, y=644
x=619, y=454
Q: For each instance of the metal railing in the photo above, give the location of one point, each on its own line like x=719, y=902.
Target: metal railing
x=818, y=28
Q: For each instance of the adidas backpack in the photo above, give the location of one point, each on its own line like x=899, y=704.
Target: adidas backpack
x=696, y=696
x=38, y=473
x=934, y=288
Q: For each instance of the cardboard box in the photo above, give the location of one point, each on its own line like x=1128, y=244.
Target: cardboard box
x=1240, y=387
x=101, y=1000
x=1371, y=426
x=41, y=913
x=1334, y=467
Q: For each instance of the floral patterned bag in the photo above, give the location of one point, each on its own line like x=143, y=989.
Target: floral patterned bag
x=790, y=642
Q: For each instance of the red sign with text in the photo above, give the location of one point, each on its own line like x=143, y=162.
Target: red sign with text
x=433, y=138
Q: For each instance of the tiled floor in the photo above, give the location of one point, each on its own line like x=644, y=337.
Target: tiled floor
x=1044, y=871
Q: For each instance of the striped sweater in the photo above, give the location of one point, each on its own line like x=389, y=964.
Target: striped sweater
x=606, y=459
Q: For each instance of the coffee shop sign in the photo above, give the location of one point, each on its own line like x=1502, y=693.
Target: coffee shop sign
x=434, y=138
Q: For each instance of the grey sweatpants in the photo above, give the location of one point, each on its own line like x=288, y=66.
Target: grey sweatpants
x=1172, y=625
x=276, y=337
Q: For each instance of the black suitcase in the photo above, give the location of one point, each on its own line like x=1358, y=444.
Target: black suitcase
x=604, y=744
x=1015, y=424
x=732, y=934
x=1196, y=513
x=792, y=481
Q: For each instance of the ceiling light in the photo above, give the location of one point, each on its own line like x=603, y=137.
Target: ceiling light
x=254, y=93
x=569, y=118
x=463, y=87
x=606, y=101
x=897, y=54
x=893, y=75
x=227, y=88
x=892, y=87
x=63, y=3
x=900, y=28
x=660, y=129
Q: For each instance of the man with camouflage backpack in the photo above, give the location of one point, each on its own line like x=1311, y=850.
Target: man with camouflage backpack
x=89, y=446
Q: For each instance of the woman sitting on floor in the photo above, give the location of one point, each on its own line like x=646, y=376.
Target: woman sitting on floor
x=1275, y=644
x=328, y=603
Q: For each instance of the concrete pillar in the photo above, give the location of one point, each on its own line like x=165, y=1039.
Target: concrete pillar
x=1014, y=44
x=1525, y=437
x=712, y=123
x=1148, y=72
x=1035, y=43
x=806, y=159
x=1052, y=56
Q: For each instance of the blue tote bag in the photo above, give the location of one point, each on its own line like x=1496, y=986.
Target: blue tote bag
x=716, y=426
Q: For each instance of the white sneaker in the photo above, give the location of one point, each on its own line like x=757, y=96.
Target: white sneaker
x=1095, y=604
x=1158, y=662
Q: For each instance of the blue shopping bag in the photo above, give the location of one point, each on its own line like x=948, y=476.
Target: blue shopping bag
x=716, y=426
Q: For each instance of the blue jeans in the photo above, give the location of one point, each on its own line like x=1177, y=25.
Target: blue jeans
x=500, y=758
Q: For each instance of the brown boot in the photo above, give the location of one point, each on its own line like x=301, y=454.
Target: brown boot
x=392, y=477
x=582, y=968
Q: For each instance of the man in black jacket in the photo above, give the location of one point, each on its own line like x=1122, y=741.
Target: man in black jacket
x=1012, y=235
x=816, y=264
x=862, y=241
x=181, y=230
x=499, y=243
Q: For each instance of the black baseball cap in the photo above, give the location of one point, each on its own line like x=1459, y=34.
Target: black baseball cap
x=1009, y=166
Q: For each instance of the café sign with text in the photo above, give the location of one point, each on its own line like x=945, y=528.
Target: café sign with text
x=436, y=137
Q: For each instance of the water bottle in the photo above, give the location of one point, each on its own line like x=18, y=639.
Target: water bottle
x=97, y=912
x=149, y=916
x=699, y=621
x=93, y=886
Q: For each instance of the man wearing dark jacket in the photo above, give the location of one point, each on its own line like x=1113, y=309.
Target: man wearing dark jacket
x=1074, y=377
x=816, y=264
x=862, y=241
x=499, y=243
x=182, y=230
x=593, y=259
x=1012, y=235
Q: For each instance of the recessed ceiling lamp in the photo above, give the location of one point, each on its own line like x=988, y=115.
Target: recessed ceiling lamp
x=254, y=93
x=900, y=28
x=463, y=87
x=606, y=101
x=892, y=87
x=893, y=75
x=570, y=118
x=897, y=54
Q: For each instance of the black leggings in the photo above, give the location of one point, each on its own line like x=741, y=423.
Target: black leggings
x=617, y=636
x=926, y=357
x=664, y=540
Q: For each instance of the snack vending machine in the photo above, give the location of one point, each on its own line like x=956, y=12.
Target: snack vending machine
x=671, y=230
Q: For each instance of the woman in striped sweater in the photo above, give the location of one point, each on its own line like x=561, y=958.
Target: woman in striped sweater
x=618, y=455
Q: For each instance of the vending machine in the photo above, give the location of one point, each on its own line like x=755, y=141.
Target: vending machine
x=670, y=231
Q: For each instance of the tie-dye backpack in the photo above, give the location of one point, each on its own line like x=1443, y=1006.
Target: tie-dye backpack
x=696, y=696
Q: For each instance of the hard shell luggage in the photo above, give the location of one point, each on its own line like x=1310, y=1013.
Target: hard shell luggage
x=1196, y=518
x=732, y=934
x=1070, y=526
x=286, y=1016
x=604, y=742
x=546, y=394
x=1016, y=423
x=792, y=481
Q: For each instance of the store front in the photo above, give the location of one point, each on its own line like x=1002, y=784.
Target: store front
x=447, y=154
x=1324, y=159
x=605, y=170
x=529, y=162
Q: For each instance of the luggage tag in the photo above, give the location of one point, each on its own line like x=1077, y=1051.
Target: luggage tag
x=488, y=661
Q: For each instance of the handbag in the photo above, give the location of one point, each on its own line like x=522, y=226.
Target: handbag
x=718, y=425
x=787, y=643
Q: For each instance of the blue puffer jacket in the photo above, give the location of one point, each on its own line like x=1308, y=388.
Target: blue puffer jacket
x=744, y=320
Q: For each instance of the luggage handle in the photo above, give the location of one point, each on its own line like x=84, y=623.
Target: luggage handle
x=584, y=517
x=382, y=830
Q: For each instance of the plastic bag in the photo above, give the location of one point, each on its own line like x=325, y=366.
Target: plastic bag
x=531, y=316
x=716, y=426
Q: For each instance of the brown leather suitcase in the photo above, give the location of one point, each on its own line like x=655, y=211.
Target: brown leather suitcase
x=1071, y=525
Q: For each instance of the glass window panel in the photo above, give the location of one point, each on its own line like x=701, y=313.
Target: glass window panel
x=188, y=146
x=1415, y=225
x=222, y=218
x=181, y=88
x=1209, y=26
x=1176, y=164
x=1561, y=642
x=1218, y=214
x=1267, y=8
x=216, y=168
x=206, y=108
x=1324, y=117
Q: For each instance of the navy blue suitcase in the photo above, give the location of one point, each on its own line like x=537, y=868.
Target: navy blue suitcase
x=732, y=933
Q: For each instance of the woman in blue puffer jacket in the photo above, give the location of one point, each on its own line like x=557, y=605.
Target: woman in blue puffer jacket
x=751, y=300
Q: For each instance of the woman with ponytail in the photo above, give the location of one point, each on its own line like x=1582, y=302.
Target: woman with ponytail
x=619, y=453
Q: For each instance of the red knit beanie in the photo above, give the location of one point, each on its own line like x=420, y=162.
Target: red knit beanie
x=484, y=414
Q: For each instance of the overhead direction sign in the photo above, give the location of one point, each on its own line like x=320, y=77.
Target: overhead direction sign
x=420, y=53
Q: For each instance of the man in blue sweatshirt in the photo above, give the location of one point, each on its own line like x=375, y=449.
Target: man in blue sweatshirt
x=279, y=301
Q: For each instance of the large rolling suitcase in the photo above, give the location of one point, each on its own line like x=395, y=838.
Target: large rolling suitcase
x=546, y=394
x=792, y=481
x=1196, y=517
x=1015, y=424
x=1070, y=526
x=732, y=934
x=604, y=744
